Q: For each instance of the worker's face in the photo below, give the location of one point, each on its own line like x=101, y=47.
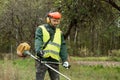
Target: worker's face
x=54, y=22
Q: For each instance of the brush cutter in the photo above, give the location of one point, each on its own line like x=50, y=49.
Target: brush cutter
x=23, y=51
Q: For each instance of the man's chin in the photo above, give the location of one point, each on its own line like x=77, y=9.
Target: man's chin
x=55, y=25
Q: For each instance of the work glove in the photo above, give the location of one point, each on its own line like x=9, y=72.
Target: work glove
x=66, y=65
x=40, y=54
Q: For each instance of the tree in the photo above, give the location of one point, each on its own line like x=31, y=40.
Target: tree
x=19, y=20
x=89, y=24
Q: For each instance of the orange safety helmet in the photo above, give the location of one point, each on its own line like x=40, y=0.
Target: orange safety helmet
x=55, y=15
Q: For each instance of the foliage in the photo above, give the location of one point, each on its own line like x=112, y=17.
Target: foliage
x=19, y=20
x=90, y=26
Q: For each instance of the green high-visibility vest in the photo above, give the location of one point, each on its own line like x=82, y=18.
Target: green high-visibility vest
x=52, y=49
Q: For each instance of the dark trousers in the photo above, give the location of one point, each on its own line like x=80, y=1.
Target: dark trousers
x=41, y=70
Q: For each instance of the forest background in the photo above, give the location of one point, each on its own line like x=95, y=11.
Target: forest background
x=90, y=27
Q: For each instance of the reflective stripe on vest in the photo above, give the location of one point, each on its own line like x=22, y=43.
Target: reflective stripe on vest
x=53, y=47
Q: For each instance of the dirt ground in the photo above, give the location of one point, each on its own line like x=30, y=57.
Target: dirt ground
x=95, y=63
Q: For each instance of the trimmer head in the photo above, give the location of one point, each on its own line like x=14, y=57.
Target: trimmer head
x=21, y=48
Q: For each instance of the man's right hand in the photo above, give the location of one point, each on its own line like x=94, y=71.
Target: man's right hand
x=40, y=54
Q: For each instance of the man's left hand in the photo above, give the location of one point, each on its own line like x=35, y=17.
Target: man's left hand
x=66, y=65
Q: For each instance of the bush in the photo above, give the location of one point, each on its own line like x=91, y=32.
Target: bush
x=114, y=52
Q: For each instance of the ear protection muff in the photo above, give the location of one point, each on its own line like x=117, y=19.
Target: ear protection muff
x=47, y=19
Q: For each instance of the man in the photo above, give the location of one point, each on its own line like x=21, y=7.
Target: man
x=50, y=47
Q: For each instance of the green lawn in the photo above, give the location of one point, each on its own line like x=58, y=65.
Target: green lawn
x=24, y=69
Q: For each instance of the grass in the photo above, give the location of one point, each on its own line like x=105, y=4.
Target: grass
x=20, y=69
x=24, y=69
x=94, y=73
